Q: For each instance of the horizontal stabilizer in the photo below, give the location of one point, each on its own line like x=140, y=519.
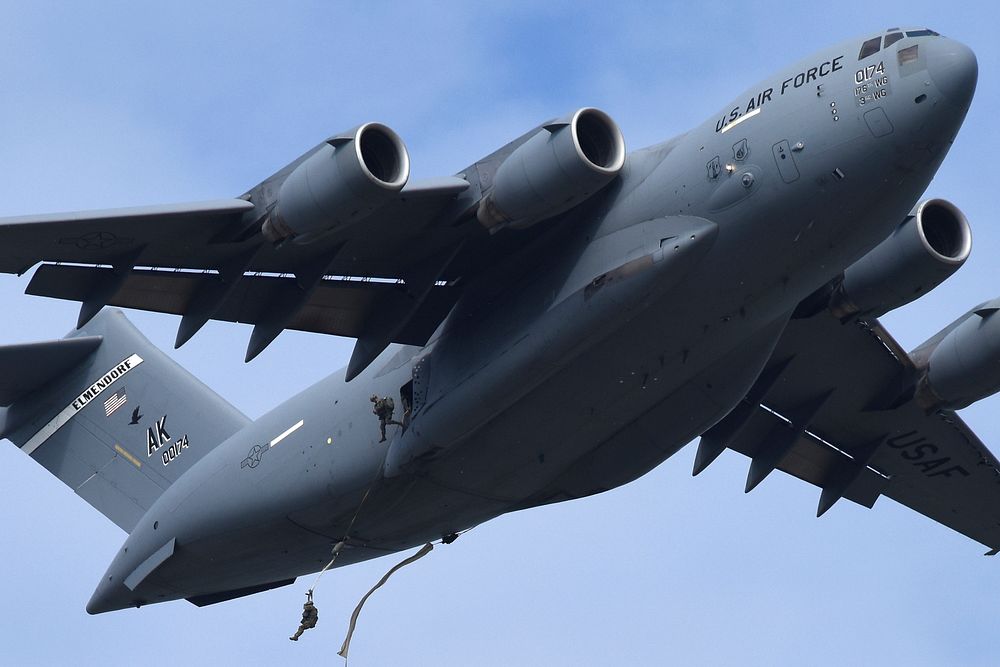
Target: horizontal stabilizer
x=27, y=366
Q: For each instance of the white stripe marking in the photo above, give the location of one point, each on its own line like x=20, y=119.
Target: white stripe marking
x=741, y=119
x=70, y=410
x=291, y=429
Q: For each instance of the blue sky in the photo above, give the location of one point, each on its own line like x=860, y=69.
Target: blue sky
x=134, y=103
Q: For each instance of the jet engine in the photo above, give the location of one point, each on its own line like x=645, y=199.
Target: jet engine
x=963, y=363
x=928, y=247
x=566, y=162
x=342, y=182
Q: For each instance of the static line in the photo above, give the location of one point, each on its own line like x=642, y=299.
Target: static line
x=741, y=119
x=291, y=429
x=79, y=403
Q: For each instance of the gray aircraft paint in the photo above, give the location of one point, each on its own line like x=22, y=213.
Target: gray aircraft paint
x=618, y=320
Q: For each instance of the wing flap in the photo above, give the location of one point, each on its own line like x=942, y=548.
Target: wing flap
x=809, y=458
x=930, y=462
x=339, y=307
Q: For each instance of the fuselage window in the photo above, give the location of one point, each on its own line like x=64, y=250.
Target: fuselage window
x=892, y=39
x=907, y=55
x=870, y=47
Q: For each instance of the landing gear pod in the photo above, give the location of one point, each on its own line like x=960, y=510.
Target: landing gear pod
x=569, y=160
x=342, y=182
x=926, y=249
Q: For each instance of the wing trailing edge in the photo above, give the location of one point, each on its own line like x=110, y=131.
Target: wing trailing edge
x=857, y=444
x=340, y=307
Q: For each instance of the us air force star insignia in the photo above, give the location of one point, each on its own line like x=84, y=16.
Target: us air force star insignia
x=253, y=456
x=95, y=241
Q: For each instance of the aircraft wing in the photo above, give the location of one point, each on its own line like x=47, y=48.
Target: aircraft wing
x=390, y=281
x=207, y=235
x=392, y=276
x=835, y=407
x=326, y=244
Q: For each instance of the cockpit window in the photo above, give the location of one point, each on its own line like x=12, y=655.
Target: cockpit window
x=907, y=55
x=892, y=38
x=870, y=47
x=921, y=33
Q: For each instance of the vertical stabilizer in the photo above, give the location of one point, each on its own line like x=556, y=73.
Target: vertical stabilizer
x=109, y=414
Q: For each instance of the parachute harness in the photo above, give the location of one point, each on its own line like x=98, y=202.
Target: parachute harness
x=339, y=546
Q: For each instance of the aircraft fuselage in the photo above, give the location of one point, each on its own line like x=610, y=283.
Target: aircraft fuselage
x=636, y=323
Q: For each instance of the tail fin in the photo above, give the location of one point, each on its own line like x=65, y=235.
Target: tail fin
x=109, y=414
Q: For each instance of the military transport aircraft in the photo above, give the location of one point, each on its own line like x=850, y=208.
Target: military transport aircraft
x=724, y=284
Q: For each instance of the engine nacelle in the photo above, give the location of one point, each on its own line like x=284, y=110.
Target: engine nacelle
x=964, y=366
x=928, y=247
x=344, y=181
x=561, y=166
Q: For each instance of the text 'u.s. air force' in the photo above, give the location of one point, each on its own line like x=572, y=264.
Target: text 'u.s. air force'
x=798, y=80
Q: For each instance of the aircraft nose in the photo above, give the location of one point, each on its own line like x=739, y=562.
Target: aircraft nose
x=953, y=68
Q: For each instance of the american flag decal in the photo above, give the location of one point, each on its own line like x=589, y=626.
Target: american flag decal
x=116, y=401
